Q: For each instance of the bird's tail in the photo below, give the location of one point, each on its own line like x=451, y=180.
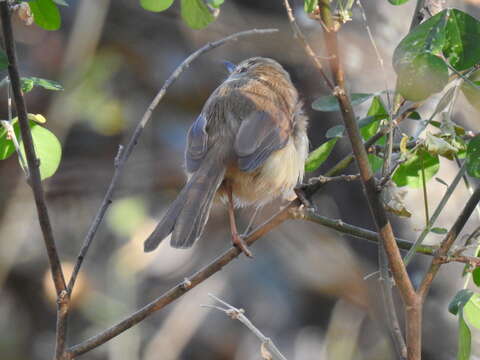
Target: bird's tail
x=187, y=215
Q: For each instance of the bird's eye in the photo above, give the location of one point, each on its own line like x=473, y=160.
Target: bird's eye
x=242, y=70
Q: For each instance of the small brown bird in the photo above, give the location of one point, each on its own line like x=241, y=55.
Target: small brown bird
x=248, y=146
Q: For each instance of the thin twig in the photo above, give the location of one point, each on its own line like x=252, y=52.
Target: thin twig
x=239, y=314
x=297, y=32
x=125, y=154
x=448, y=242
x=34, y=177
x=182, y=288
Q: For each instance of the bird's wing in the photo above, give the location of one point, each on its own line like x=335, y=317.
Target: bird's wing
x=260, y=134
x=197, y=143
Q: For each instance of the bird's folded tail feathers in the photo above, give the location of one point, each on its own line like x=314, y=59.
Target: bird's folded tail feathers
x=187, y=215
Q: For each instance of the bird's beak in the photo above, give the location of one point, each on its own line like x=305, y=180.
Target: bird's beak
x=230, y=66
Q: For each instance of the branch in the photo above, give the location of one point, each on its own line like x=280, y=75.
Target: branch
x=180, y=289
x=34, y=177
x=383, y=225
x=297, y=33
x=271, y=350
x=123, y=156
x=448, y=242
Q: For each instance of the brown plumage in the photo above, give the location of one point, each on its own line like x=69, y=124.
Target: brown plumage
x=248, y=145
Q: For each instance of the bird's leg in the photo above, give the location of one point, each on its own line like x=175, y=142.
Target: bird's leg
x=236, y=238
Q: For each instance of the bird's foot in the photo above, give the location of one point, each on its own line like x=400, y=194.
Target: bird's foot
x=238, y=241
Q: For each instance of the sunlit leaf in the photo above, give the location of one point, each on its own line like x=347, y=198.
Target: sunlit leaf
x=409, y=173
x=471, y=310
x=439, y=231
x=196, y=14
x=310, y=5
x=320, y=155
x=464, y=339
x=156, y=5
x=45, y=14
x=28, y=83
x=330, y=102
x=471, y=90
x=462, y=38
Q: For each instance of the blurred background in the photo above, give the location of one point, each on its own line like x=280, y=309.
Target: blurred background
x=305, y=288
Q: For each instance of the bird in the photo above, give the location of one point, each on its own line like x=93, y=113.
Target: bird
x=247, y=147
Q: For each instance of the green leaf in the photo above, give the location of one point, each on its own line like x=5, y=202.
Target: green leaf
x=424, y=75
x=6, y=145
x=47, y=148
x=45, y=14
x=335, y=132
x=376, y=162
x=215, y=3
x=60, y=2
x=3, y=60
x=464, y=339
x=462, y=38
x=471, y=310
x=414, y=116
x=473, y=157
x=439, y=231
x=28, y=83
x=156, y=5
x=126, y=215
x=376, y=112
x=310, y=5
x=196, y=14
x=330, y=102
x=476, y=276
x=409, y=173
x=319, y=155
x=428, y=37
x=397, y=2
x=472, y=91
x=459, y=300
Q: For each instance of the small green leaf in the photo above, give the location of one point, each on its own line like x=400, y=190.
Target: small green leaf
x=376, y=162
x=462, y=38
x=377, y=112
x=335, y=132
x=439, y=231
x=464, y=339
x=330, y=102
x=409, y=173
x=476, y=276
x=47, y=148
x=424, y=75
x=473, y=157
x=471, y=310
x=319, y=155
x=28, y=83
x=414, y=116
x=215, y=3
x=60, y=2
x=459, y=300
x=397, y=2
x=45, y=14
x=156, y=5
x=310, y=5
x=3, y=60
x=471, y=90
x=196, y=14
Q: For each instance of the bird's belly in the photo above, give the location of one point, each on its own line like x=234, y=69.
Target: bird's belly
x=277, y=177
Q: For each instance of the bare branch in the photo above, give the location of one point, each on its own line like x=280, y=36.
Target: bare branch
x=180, y=289
x=239, y=314
x=448, y=242
x=297, y=32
